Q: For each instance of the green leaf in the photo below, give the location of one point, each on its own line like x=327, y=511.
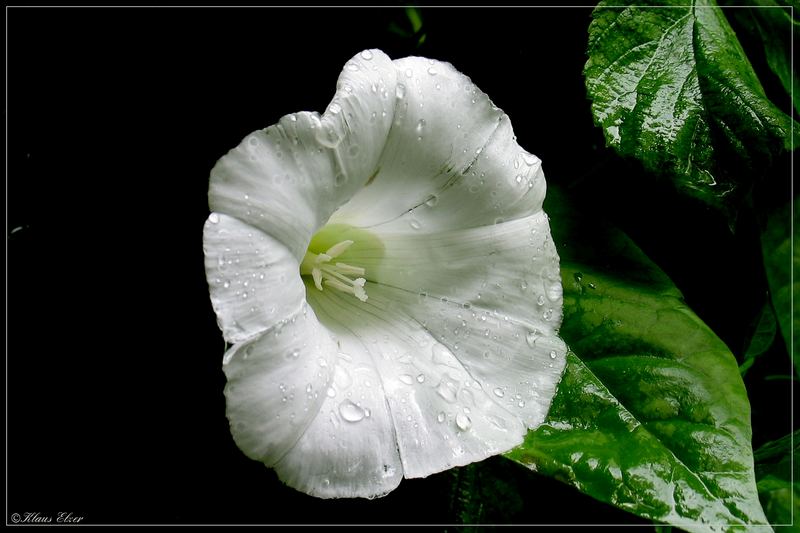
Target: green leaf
x=776, y=243
x=771, y=22
x=651, y=414
x=778, y=494
x=672, y=87
x=762, y=338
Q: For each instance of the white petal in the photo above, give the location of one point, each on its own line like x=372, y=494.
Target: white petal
x=253, y=279
x=495, y=292
x=276, y=385
x=517, y=364
x=350, y=449
x=441, y=415
x=442, y=123
x=504, y=183
x=289, y=178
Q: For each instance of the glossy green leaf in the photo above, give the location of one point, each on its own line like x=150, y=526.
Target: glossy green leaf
x=776, y=242
x=651, y=414
x=770, y=22
x=780, y=497
x=761, y=339
x=671, y=86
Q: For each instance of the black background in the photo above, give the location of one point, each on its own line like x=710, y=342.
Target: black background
x=116, y=116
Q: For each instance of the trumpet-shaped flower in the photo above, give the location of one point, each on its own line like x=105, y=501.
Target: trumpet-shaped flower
x=386, y=277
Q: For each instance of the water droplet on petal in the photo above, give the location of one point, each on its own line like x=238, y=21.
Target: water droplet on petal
x=414, y=223
x=331, y=392
x=421, y=378
x=432, y=200
x=213, y=218
x=553, y=354
x=400, y=91
x=499, y=392
x=350, y=411
x=447, y=389
x=463, y=422
x=366, y=55
x=440, y=417
x=405, y=378
x=335, y=108
x=531, y=337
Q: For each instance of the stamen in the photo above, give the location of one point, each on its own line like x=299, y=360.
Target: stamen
x=335, y=276
x=336, y=284
x=344, y=268
x=339, y=248
x=317, y=275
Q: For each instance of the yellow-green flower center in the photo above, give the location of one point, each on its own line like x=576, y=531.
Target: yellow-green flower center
x=329, y=260
x=335, y=275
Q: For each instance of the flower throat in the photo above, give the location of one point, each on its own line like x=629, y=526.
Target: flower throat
x=330, y=258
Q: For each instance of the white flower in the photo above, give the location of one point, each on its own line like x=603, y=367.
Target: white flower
x=387, y=278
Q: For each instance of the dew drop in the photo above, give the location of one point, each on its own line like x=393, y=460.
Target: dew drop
x=409, y=73
x=447, y=389
x=463, y=422
x=405, y=378
x=350, y=411
x=400, y=91
x=227, y=284
x=499, y=392
x=432, y=71
x=414, y=223
x=421, y=378
x=553, y=290
x=213, y=218
x=420, y=125
x=531, y=337
x=521, y=404
x=552, y=354
x=432, y=200
x=540, y=299
x=335, y=108
x=331, y=392
x=366, y=55
x=440, y=417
